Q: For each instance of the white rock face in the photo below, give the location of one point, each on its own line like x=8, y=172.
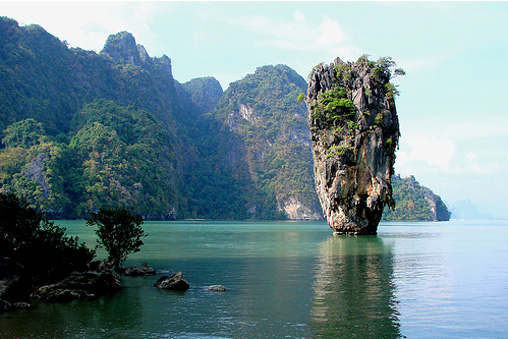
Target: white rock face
x=295, y=210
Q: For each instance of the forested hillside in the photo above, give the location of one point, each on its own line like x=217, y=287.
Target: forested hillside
x=415, y=202
x=83, y=130
x=114, y=156
x=262, y=111
x=116, y=128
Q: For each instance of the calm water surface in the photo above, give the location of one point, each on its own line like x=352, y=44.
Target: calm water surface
x=296, y=280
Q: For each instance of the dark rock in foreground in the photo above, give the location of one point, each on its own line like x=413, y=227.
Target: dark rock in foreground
x=5, y=306
x=354, y=131
x=13, y=286
x=175, y=282
x=80, y=286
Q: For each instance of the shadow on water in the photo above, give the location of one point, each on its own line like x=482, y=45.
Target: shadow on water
x=354, y=290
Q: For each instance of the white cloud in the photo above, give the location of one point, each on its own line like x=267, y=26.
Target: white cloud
x=299, y=16
x=424, y=154
x=299, y=34
x=330, y=33
x=433, y=150
x=433, y=154
x=471, y=157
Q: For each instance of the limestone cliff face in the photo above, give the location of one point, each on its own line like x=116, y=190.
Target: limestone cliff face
x=271, y=138
x=437, y=207
x=354, y=130
x=297, y=210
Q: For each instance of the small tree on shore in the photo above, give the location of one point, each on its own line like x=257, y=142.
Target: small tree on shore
x=119, y=231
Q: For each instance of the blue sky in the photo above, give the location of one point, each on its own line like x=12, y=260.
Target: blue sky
x=452, y=107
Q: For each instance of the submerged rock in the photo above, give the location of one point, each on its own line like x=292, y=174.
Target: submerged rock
x=175, y=282
x=144, y=269
x=216, y=288
x=354, y=131
x=22, y=306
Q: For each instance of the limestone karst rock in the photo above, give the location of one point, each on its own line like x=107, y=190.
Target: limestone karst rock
x=355, y=131
x=123, y=50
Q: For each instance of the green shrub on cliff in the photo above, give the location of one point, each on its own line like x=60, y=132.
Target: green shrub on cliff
x=333, y=108
x=123, y=156
x=29, y=166
x=24, y=133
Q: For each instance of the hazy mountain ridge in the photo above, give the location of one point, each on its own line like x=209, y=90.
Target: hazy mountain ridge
x=466, y=210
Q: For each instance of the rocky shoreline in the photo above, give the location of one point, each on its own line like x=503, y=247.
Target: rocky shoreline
x=100, y=280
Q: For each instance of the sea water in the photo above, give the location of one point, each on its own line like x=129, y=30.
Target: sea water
x=296, y=280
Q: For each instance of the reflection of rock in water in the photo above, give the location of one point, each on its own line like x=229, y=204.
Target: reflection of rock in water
x=354, y=290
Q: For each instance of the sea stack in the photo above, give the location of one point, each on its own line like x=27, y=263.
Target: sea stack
x=355, y=131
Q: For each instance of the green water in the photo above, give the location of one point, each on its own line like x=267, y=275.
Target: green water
x=296, y=280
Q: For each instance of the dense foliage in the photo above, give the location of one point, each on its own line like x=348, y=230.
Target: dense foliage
x=42, y=248
x=119, y=231
x=117, y=156
x=334, y=109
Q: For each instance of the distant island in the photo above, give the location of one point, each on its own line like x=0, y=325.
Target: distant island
x=466, y=210
x=83, y=130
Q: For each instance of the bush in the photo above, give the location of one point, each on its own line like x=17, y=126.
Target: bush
x=19, y=223
x=41, y=247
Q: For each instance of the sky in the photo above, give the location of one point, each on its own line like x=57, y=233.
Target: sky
x=452, y=105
